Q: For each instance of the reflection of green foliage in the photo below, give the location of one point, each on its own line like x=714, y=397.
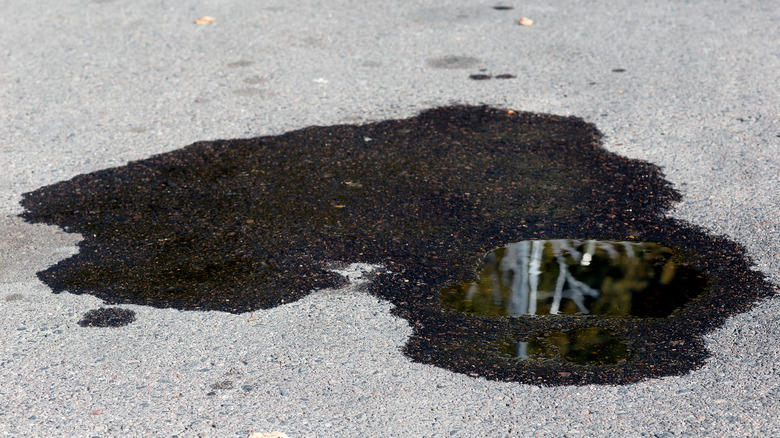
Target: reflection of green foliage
x=619, y=271
x=583, y=346
x=486, y=296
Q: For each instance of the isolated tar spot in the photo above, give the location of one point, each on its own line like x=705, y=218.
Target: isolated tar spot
x=107, y=317
x=618, y=70
x=483, y=77
x=503, y=8
x=239, y=225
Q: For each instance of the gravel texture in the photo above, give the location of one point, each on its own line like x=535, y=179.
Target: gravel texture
x=91, y=85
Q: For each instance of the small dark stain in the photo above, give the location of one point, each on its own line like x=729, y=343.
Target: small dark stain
x=225, y=384
x=484, y=76
x=503, y=8
x=246, y=224
x=254, y=80
x=618, y=70
x=13, y=297
x=450, y=62
x=107, y=317
x=241, y=63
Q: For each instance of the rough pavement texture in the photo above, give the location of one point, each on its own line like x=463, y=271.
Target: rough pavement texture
x=91, y=85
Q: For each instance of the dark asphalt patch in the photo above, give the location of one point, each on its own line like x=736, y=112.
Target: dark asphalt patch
x=238, y=225
x=107, y=317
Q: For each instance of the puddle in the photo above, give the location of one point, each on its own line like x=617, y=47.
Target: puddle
x=578, y=277
x=582, y=346
x=247, y=224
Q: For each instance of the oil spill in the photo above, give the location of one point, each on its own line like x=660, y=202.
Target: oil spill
x=238, y=225
x=107, y=317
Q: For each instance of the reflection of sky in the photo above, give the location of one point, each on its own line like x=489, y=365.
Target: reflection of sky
x=520, y=268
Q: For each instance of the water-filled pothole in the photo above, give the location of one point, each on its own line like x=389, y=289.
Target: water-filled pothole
x=573, y=279
x=578, y=277
x=247, y=224
x=581, y=346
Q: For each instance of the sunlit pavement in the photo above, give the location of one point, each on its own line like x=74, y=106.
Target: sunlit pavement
x=86, y=86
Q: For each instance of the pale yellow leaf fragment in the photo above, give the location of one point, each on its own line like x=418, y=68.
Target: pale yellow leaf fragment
x=523, y=21
x=274, y=434
x=205, y=20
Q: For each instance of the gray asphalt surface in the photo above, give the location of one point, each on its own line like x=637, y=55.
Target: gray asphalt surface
x=86, y=85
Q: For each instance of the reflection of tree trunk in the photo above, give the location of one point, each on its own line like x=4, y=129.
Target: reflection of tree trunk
x=534, y=271
x=522, y=350
x=516, y=262
x=520, y=269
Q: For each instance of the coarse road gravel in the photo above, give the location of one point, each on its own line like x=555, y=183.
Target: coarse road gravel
x=88, y=85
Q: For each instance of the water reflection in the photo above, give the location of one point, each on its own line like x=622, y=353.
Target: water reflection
x=580, y=346
x=562, y=276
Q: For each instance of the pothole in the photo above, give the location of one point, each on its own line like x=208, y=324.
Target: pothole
x=610, y=280
x=247, y=224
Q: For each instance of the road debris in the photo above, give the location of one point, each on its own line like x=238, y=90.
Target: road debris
x=205, y=20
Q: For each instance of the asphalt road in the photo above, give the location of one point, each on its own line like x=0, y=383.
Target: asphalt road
x=88, y=85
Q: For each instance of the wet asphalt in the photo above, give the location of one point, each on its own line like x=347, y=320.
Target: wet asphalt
x=89, y=86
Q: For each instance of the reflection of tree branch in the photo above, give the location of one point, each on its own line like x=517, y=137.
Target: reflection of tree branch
x=556, y=304
x=521, y=271
x=577, y=294
x=538, y=276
